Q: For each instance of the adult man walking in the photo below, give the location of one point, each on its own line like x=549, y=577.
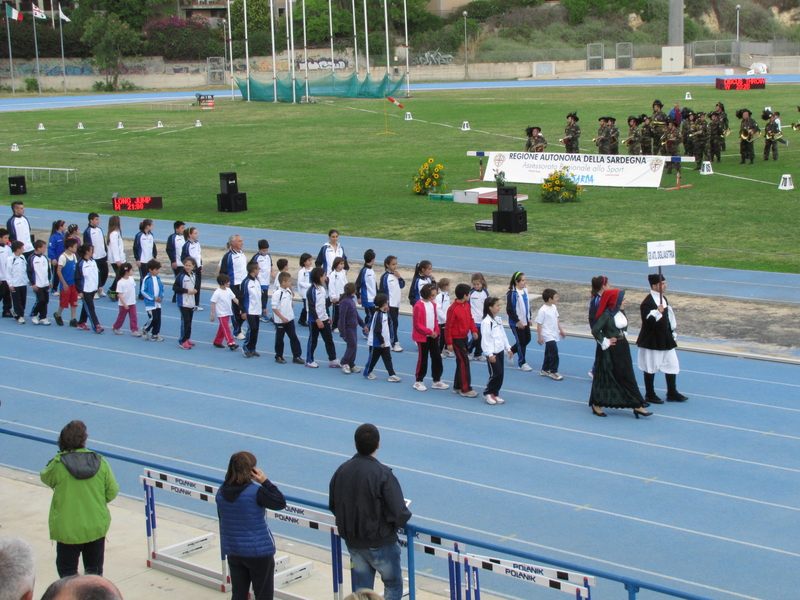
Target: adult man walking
x=234, y=265
x=657, y=342
x=366, y=499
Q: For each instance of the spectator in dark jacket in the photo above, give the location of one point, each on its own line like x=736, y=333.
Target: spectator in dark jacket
x=244, y=534
x=366, y=499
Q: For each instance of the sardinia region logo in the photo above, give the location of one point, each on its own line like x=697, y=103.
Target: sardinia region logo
x=499, y=159
x=655, y=164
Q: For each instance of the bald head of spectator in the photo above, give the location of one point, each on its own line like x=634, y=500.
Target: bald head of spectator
x=17, y=571
x=82, y=587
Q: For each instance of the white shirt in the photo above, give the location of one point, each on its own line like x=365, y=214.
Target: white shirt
x=442, y=304
x=393, y=290
x=116, y=250
x=223, y=302
x=476, y=301
x=265, y=274
x=303, y=281
x=146, y=244
x=547, y=317
x=126, y=290
x=16, y=271
x=5, y=252
x=657, y=296
x=336, y=283
x=493, y=336
x=96, y=235
x=196, y=252
x=90, y=274
x=283, y=303
x=23, y=230
x=430, y=315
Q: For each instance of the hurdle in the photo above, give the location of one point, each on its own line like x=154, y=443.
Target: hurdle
x=205, y=101
x=468, y=587
x=173, y=559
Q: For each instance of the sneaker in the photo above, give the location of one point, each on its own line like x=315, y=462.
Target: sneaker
x=469, y=394
x=73, y=322
x=185, y=346
x=335, y=330
x=356, y=369
x=371, y=376
x=280, y=360
x=394, y=378
x=145, y=334
x=8, y=315
x=99, y=329
x=489, y=399
x=117, y=331
x=240, y=336
x=112, y=296
x=420, y=387
x=298, y=361
x=470, y=357
x=264, y=319
x=156, y=338
x=335, y=364
x=45, y=322
x=136, y=334
x=256, y=354
x=247, y=353
x=312, y=365
x=34, y=320
x=499, y=400
x=346, y=369
x=449, y=354
x=440, y=385
x=82, y=326
x=55, y=294
x=190, y=342
x=510, y=358
x=591, y=374
x=544, y=373
x=198, y=308
x=219, y=345
x=101, y=293
x=397, y=347
x=233, y=347
x=556, y=376
x=526, y=367
x=481, y=358
x=21, y=320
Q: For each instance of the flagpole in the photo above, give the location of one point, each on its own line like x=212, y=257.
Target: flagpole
x=63, y=62
x=366, y=37
x=305, y=48
x=247, y=51
x=36, y=45
x=53, y=13
x=10, y=60
x=272, y=39
x=355, y=37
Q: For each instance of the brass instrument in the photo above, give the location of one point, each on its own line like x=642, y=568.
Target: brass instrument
x=539, y=148
x=748, y=135
x=775, y=136
x=629, y=141
x=796, y=126
x=597, y=140
x=727, y=132
x=613, y=140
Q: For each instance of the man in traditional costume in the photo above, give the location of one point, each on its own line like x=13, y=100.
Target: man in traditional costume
x=657, y=343
x=572, y=132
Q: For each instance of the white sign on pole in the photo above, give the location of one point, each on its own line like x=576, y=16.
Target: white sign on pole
x=610, y=170
x=660, y=254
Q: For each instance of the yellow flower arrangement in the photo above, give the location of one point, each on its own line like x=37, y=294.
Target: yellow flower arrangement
x=560, y=187
x=430, y=178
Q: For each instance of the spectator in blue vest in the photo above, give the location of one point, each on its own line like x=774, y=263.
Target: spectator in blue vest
x=244, y=534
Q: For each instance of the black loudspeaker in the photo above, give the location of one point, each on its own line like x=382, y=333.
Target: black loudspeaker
x=228, y=184
x=510, y=222
x=17, y=185
x=507, y=198
x=231, y=202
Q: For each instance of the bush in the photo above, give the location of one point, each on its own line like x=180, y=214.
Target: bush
x=178, y=39
x=31, y=84
x=99, y=86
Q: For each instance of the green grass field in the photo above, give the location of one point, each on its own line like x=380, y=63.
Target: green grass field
x=312, y=167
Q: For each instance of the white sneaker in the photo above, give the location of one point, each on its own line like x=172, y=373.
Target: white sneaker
x=355, y=369
x=556, y=376
x=21, y=320
x=101, y=293
x=470, y=357
x=448, y=354
x=346, y=369
x=469, y=394
x=510, y=358
x=544, y=373
x=198, y=308
x=156, y=338
x=35, y=320
x=240, y=336
x=117, y=331
x=145, y=334
x=489, y=399
x=481, y=358
x=397, y=347
x=499, y=400
x=394, y=378
x=526, y=367
x=440, y=385
x=372, y=376
x=44, y=322
x=136, y=334
x=420, y=387
x=335, y=364
x=312, y=365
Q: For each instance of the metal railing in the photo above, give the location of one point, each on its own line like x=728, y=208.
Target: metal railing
x=631, y=585
x=34, y=169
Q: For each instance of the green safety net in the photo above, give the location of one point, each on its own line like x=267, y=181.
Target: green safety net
x=320, y=85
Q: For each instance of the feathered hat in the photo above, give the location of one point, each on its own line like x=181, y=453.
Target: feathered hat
x=661, y=104
x=721, y=105
x=574, y=116
x=766, y=114
x=637, y=120
x=741, y=111
x=529, y=130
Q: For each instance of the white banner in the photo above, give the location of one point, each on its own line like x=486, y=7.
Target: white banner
x=612, y=170
x=661, y=254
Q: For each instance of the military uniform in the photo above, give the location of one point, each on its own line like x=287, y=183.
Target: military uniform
x=572, y=133
x=700, y=141
x=536, y=143
x=723, y=121
x=647, y=139
x=634, y=141
x=716, y=139
x=671, y=146
x=688, y=141
x=747, y=126
x=770, y=130
x=659, y=124
x=613, y=143
x=602, y=139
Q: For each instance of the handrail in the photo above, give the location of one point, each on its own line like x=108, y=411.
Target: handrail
x=631, y=585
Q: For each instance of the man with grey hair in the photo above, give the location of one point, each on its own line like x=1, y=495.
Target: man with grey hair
x=17, y=570
x=234, y=265
x=82, y=587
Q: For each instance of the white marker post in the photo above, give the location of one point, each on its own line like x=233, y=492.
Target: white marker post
x=658, y=255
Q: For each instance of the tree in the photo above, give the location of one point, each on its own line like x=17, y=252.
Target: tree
x=110, y=39
x=133, y=12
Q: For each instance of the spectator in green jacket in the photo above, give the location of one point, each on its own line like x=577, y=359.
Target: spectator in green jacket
x=83, y=485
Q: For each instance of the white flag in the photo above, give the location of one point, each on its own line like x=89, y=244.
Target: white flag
x=37, y=12
x=62, y=16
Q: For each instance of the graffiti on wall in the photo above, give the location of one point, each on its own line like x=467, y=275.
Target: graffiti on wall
x=322, y=64
x=433, y=58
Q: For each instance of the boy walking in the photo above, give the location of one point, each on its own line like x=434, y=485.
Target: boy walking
x=548, y=331
x=459, y=325
x=5, y=254
x=67, y=263
x=17, y=273
x=283, y=317
x=222, y=306
x=379, y=339
x=152, y=290
x=251, y=290
x=40, y=275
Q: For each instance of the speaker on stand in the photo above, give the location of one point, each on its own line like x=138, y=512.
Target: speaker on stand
x=229, y=199
x=509, y=217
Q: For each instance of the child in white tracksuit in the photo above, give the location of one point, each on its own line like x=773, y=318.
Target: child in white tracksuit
x=493, y=343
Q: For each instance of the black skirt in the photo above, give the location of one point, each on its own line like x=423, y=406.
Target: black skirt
x=614, y=383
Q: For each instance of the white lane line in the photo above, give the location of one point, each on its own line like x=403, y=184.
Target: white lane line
x=415, y=434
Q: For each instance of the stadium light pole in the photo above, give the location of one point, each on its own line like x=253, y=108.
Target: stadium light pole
x=466, y=53
x=738, y=9
x=230, y=45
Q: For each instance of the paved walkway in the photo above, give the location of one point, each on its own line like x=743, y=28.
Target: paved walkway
x=734, y=284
